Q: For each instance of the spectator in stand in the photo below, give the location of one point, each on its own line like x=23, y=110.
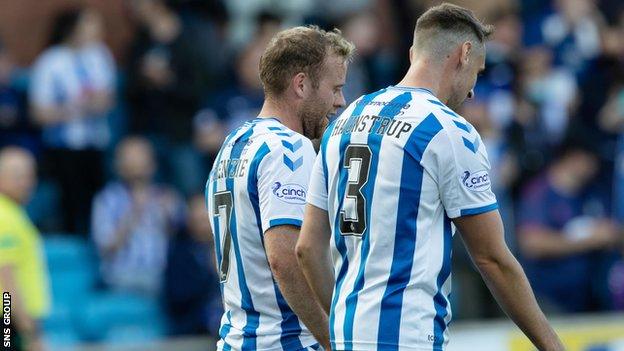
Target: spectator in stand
x=71, y=93
x=616, y=284
x=543, y=101
x=243, y=97
x=501, y=68
x=23, y=271
x=15, y=129
x=611, y=113
x=133, y=219
x=192, y=286
x=209, y=133
x=229, y=108
x=365, y=31
x=565, y=236
x=612, y=119
x=573, y=33
x=172, y=65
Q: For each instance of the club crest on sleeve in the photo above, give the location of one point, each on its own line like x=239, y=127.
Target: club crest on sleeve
x=290, y=193
x=476, y=181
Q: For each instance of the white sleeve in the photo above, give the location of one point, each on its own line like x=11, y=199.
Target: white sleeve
x=317, y=191
x=461, y=167
x=283, y=177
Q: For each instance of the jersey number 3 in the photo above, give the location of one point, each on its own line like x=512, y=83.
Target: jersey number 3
x=223, y=210
x=353, y=212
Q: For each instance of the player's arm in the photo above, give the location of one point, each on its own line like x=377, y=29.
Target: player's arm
x=313, y=254
x=313, y=251
x=460, y=166
x=280, y=244
x=281, y=221
x=483, y=236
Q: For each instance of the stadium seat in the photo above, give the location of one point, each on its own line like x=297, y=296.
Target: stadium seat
x=72, y=269
x=66, y=251
x=130, y=315
x=130, y=334
x=60, y=319
x=82, y=313
x=72, y=265
x=65, y=340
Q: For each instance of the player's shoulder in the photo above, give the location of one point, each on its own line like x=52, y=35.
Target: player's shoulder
x=283, y=146
x=369, y=104
x=451, y=131
x=280, y=138
x=375, y=100
x=453, y=125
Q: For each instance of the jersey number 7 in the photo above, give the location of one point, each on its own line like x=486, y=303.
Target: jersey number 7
x=353, y=212
x=223, y=212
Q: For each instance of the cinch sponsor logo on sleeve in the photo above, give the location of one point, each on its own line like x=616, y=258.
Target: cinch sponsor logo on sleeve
x=477, y=181
x=290, y=193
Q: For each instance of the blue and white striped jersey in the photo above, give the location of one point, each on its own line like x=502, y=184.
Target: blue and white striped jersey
x=258, y=181
x=393, y=169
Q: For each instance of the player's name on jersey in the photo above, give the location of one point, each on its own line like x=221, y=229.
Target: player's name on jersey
x=372, y=125
x=231, y=168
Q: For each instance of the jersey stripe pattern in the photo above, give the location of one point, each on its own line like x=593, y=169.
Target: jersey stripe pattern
x=258, y=181
x=393, y=170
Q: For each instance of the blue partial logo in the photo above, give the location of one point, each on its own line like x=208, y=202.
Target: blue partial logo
x=290, y=193
x=477, y=181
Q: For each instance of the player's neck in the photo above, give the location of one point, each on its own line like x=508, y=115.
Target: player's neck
x=285, y=113
x=425, y=74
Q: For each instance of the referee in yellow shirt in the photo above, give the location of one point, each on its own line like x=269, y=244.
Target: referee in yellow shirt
x=23, y=272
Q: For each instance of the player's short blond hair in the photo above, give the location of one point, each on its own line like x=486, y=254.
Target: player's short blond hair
x=300, y=50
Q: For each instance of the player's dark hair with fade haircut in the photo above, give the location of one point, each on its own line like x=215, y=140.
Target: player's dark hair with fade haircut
x=447, y=23
x=300, y=50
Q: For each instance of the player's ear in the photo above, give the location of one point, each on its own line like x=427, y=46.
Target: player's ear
x=466, y=49
x=298, y=83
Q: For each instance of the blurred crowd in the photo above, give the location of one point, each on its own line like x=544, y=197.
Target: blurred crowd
x=123, y=144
